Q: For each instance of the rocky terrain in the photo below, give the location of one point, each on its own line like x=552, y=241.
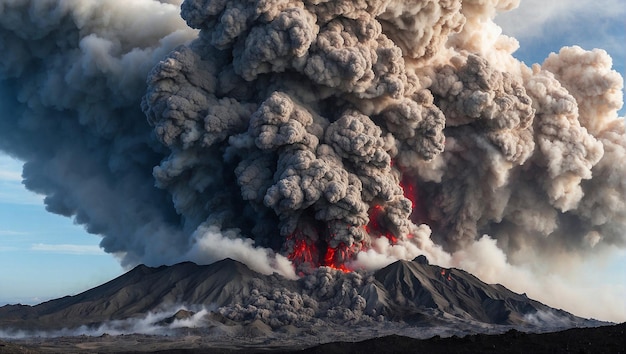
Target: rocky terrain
x=408, y=291
x=605, y=339
x=227, y=305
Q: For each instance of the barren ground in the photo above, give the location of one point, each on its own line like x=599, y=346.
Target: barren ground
x=606, y=339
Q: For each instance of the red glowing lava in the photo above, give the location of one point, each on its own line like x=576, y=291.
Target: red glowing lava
x=330, y=259
x=306, y=252
x=375, y=225
x=303, y=250
x=411, y=192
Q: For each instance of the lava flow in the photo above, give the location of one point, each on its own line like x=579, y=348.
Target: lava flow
x=311, y=252
x=376, y=228
x=411, y=192
x=306, y=251
x=330, y=259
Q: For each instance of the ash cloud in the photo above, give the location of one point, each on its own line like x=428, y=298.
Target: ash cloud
x=312, y=132
x=72, y=74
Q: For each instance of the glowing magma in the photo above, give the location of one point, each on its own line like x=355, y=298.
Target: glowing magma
x=318, y=253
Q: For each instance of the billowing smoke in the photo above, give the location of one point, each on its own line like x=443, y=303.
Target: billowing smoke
x=337, y=133
x=73, y=73
x=344, y=123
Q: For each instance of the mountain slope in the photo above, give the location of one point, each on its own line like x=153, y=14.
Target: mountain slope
x=404, y=290
x=415, y=286
x=139, y=291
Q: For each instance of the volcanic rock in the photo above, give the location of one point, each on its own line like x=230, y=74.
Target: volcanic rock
x=415, y=286
x=402, y=291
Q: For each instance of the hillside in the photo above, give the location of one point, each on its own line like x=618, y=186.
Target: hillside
x=405, y=291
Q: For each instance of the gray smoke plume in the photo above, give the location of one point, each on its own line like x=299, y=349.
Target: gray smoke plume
x=326, y=132
x=72, y=76
x=335, y=111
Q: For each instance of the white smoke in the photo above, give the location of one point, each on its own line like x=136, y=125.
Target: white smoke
x=315, y=133
x=162, y=322
x=211, y=245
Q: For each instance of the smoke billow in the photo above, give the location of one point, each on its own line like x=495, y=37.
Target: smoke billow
x=72, y=76
x=345, y=134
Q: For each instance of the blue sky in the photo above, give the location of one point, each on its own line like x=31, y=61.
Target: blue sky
x=44, y=256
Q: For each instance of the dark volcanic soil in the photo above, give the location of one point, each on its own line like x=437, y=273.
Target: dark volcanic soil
x=606, y=339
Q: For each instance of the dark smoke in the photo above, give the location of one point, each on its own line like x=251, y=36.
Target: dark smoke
x=322, y=131
x=72, y=77
x=331, y=107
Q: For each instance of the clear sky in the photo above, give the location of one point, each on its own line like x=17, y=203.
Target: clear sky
x=44, y=256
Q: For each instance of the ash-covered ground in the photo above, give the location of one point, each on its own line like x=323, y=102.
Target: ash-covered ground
x=391, y=337
x=227, y=305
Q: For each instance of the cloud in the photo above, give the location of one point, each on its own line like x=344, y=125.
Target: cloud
x=532, y=16
x=211, y=245
x=317, y=130
x=152, y=323
x=68, y=249
x=12, y=233
x=9, y=175
x=575, y=289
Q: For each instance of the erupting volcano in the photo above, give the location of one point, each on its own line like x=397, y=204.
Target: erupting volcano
x=297, y=134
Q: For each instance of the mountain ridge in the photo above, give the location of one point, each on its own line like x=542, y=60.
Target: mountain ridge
x=402, y=291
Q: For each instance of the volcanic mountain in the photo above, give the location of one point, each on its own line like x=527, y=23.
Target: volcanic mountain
x=412, y=292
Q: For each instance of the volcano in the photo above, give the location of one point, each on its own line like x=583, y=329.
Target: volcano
x=405, y=293
x=293, y=135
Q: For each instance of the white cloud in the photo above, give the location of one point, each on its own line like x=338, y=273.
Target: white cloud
x=532, y=16
x=12, y=233
x=11, y=176
x=585, y=288
x=542, y=27
x=68, y=249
